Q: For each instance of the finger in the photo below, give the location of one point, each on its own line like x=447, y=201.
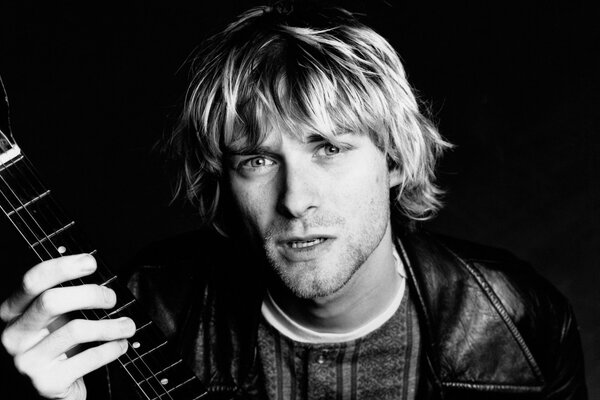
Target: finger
x=94, y=358
x=43, y=277
x=51, y=382
x=80, y=331
x=23, y=333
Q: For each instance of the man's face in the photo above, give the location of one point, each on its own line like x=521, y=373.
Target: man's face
x=319, y=210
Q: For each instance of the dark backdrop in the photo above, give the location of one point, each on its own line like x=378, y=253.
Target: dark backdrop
x=515, y=87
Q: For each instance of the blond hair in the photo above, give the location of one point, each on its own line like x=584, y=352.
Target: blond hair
x=307, y=71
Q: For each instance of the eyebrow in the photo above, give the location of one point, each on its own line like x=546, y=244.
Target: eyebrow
x=316, y=138
x=249, y=150
x=266, y=149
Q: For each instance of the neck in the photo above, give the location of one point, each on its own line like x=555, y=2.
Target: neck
x=369, y=292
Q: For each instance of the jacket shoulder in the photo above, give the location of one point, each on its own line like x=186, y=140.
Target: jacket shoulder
x=519, y=286
x=486, y=281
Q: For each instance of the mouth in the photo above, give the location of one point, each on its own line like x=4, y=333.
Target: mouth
x=302, y=244
x=304, y=248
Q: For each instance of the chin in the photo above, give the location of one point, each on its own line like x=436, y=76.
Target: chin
x=313, y=281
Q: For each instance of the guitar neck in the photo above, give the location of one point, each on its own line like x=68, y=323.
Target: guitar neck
x=49, y=232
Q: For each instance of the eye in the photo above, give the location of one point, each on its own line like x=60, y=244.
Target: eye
x=257, y=162
x=329, y=150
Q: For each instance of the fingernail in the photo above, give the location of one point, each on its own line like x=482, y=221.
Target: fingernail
x=89, y=263
x=124, y=345
x=128, y=325
x=109, y=295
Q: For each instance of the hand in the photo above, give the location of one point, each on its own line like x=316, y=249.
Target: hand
x=38, y=336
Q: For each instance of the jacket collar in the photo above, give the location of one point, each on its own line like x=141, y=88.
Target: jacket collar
x=470, y=341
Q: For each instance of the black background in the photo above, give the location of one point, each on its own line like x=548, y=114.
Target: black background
x=94, y=85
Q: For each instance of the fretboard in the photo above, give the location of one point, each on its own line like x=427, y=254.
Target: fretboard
x=150, y=362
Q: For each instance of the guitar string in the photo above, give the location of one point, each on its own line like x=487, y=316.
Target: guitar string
x=151, y=354
x=9, y=202
x=5, y=166
x=48, y=239
x=41, y=259
x=35, y=250
x=6, y=170
x=33, y=174
x=22, y=206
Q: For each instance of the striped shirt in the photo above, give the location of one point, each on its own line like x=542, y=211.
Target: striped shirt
x=381, y=365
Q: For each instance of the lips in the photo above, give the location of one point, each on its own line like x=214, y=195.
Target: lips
x=303, y=241
x=301, y=244
x=304, y=248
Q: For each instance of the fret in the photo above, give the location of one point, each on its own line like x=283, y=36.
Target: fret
x=40, y=220
x=17, y=185
x=189, y=389
x=142, y=369
x=9, y=158
x=147, y=324
x=36, y=198
x=170, y=378
x=109, y=280
x=51, y=235
x=160, y=390
x=124, y=296
x=140, y=357
x=160, y=373
x=176, y=363
x=135, y=312
x=101, y=276
x=146, y=337
x=189, y=380
x=178, y=379
x=141, y=363
x=123, y=307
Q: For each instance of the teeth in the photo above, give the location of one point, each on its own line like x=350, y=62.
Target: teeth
x=300, y=245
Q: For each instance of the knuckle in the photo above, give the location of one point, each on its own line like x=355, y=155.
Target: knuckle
x=45, y=386
x=111, y=350
x=7, y=342
x=5, y=313
x=46, y=302
x=30, y=283
x=52, y=385
x=22, y=364
x=74, y=331
x=98, y=353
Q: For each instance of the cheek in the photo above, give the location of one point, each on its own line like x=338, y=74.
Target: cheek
x=253, y=203
x=367, y=196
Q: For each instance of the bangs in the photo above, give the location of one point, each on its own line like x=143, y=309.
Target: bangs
x=301, y=88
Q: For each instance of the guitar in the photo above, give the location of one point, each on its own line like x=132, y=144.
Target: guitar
x=30, y=207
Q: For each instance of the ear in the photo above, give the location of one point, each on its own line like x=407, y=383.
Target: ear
x=395, y=177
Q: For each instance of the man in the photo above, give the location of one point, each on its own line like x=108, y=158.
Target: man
x=302, y=143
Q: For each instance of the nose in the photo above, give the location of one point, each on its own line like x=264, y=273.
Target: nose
x=300, y=193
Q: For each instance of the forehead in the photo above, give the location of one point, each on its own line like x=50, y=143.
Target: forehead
x=270, y=130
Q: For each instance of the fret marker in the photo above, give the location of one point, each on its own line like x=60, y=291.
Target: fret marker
x=136, y=345
x=164, y=381
x=62, y=249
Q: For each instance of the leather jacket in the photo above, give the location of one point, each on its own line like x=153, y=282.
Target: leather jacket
x=491, y=327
